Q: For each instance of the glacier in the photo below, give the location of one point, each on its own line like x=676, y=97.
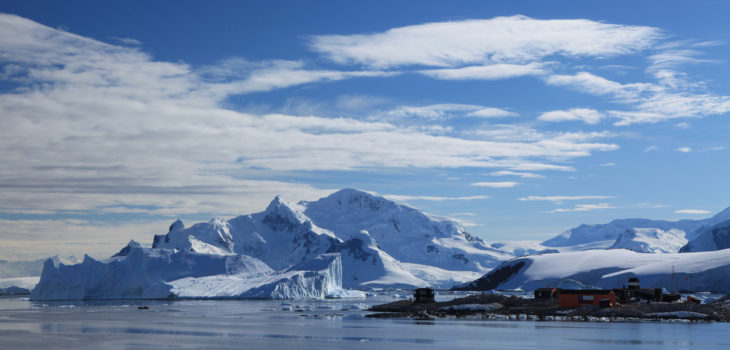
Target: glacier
x=703, y=271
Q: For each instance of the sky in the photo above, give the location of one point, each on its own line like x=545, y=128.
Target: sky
x=519, y=119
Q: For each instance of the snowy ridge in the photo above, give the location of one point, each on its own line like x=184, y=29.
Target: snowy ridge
x=405, y=234
x=375, y=237
x=647, y=235
x=651, y=240
x=710, y=238
x=611, y=269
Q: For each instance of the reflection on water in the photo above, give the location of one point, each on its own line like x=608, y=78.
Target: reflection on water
x=336, y=324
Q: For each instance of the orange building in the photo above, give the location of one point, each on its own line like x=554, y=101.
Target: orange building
x=576, y=298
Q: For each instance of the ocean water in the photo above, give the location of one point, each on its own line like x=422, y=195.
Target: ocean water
x=328, y=324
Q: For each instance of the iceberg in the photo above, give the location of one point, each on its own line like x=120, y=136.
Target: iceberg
x=158, y=273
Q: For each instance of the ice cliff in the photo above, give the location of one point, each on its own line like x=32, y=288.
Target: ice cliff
x=144, y=273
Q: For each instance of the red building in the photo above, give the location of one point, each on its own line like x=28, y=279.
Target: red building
x=576, y=298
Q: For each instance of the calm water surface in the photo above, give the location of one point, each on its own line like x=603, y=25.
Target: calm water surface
x=314, y=325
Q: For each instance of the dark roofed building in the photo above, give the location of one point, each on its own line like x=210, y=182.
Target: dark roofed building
x=546, y=293
x=424, y=295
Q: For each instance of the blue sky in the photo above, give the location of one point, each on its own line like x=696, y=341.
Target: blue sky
x=521, y=119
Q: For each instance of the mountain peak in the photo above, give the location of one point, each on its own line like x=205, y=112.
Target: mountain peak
x=278, y=205
x=282, y=212
x=350, y=199
x=177, y=226
x=723, y=215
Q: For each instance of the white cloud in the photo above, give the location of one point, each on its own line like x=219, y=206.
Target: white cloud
x=693, y=211
x=516, y=40
x=448, y=110
x=487, y=72
x=463, y=214
x=673, y=58
x=524, y=175
x=497, y=184
x=607, y=164
x=584, y=207
x=595, y=85
x=672, y=97
x=238, y=76
x=491, y=112
x=127, y=41
x=586, y=115
x=560, y=199
x=651, y=148
x=97, y=126
x=683, y=125
x=650, y=205
x=684, y=149
x=405, y=198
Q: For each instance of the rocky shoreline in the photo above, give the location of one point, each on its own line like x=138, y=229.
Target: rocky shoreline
x=515, y=308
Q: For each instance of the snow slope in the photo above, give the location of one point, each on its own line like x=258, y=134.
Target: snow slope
x=710, y=238
x=706, y=271
x=605, y=236
x=651, y=240
x=144, y=273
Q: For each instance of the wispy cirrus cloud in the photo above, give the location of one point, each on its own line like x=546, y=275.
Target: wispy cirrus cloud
x=94, y=126
x=583, y=207
x=524, y=175
x=671, y=94
x=127, y=41
x=495, y=71
x=449, y=110
x=495, y=184
x=596, y=85
x=406, y=198
x=560, y=199
x=586, y=115
x=514, y=40
x=693, y=211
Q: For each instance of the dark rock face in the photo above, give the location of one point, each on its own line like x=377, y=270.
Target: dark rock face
x=494, y=278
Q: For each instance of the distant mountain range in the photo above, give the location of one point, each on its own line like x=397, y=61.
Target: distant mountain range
x=606, y=255
x=353, y=239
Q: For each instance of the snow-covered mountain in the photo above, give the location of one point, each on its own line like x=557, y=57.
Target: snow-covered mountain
x=705, y=271
x=651, y=240
x=710, y=238
x=642, y=235
x=382, y=243
x=349, y=239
